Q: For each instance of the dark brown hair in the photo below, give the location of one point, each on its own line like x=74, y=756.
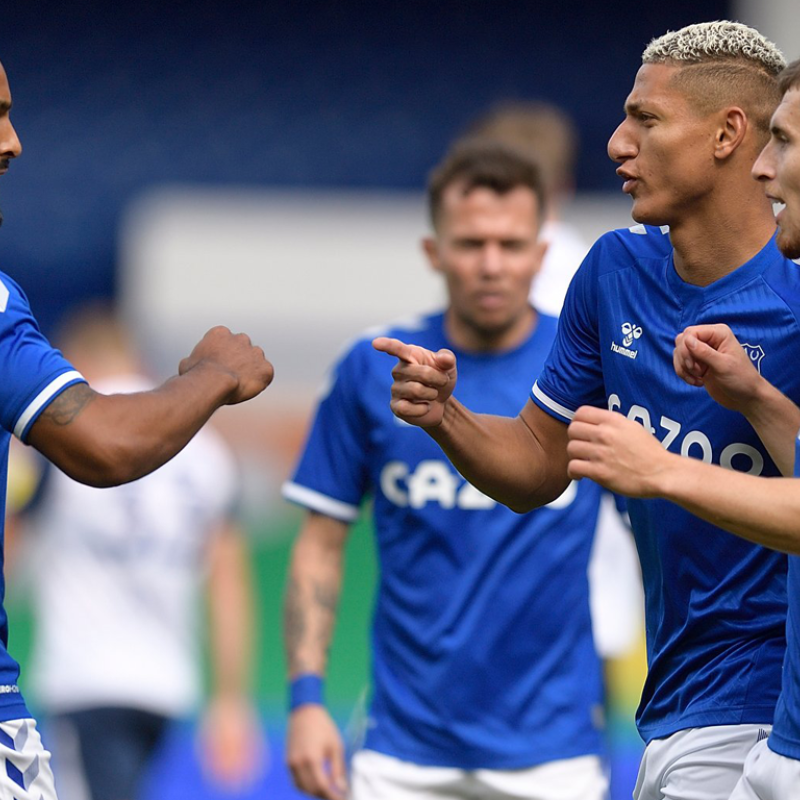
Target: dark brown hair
x=790, y=77
x=477, y=163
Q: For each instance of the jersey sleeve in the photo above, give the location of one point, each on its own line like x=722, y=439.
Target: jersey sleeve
x=33, y=372
x=332, y=474
x=572, y=375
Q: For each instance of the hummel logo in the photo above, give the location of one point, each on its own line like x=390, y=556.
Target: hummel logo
x=630, y=332
x=762, y=734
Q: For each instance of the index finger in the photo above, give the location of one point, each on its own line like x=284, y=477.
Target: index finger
x=396, y=348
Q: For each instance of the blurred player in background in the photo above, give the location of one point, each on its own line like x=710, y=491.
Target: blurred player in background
x=547, y=135
x=695, y=121
x=96, y=439
x=618, y=452
x=484, y=676
x=118, y=583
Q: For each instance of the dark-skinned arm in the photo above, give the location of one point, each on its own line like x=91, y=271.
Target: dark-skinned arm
x=105, y=440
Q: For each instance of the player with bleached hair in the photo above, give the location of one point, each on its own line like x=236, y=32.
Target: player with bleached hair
x=617, y=452
x=703, y=251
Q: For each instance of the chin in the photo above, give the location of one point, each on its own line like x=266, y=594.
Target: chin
x=648, y=215
x=788, y=244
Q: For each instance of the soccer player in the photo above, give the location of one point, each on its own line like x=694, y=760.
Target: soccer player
x=619, y=453
x=484, y=676
x=695, y=121
x=121, y=574
x=96, y=439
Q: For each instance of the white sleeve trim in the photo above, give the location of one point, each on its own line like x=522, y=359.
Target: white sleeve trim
x=319, y=502
x=43, y=398
x=551, y=404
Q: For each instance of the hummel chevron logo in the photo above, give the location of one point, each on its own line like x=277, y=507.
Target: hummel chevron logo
x=630, y=332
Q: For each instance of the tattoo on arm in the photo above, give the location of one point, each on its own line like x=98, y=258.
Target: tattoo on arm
x=309, y=617
x=294, y=626
x=65, y=408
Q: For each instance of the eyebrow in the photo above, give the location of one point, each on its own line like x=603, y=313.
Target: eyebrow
x=5, y=106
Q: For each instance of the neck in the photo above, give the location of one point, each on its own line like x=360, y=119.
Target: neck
x=472, y=339
x=708, y=246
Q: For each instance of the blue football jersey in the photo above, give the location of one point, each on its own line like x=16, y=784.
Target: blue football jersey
x=482, y=643
x=785, y=737
x=715, y=603
x=33, y=374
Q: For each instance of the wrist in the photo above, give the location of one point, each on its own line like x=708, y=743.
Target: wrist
x=225, y=382
x=306, y=689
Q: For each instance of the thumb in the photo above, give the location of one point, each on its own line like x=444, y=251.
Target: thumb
x=445, y=360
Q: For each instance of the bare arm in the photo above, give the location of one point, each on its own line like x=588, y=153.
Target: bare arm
x=622, y=456
x=710, y=356
x=519, y=461
x=105, y=440
x=231, y=731
x=315, y=752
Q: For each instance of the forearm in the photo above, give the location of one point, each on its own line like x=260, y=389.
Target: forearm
x=503, y=457
x=762, y=510
x=105, y=440
x=312, y=595
x=776, y=420
x=230, y=615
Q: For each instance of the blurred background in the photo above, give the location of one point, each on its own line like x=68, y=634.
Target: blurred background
x=261, y=165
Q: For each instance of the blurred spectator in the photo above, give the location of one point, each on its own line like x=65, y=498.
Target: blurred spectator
x=119, y=575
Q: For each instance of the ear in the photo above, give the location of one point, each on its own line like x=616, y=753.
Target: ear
x=731, y=132
x=539, y=254
x=431, y=248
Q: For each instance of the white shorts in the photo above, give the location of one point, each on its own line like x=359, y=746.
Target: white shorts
x=698, y=763
x=768, y=776
x=25, y=772
x=375, y=776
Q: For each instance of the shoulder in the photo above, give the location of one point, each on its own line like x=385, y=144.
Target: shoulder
x=783, y=277
x=636, y=242
x=13, y=300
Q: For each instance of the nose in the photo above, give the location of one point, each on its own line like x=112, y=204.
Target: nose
x=621, y=145
x=764, y=168
x=10, y=145
x=491, y=258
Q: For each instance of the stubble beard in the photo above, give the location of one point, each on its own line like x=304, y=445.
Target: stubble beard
x=789, y=243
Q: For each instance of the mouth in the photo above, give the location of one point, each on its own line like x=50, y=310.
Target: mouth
x=4, y=166
x=629, y=182
x=490, y=300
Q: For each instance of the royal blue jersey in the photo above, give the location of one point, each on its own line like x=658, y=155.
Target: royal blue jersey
x=482, y=644
x=785, y=736
x=715, y=603
x=33, y=374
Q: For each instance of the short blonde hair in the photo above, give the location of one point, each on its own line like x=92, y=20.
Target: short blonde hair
x=722, y=64
x=716, y=41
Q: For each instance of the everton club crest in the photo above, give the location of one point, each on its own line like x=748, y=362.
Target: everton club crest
x=755, y=352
